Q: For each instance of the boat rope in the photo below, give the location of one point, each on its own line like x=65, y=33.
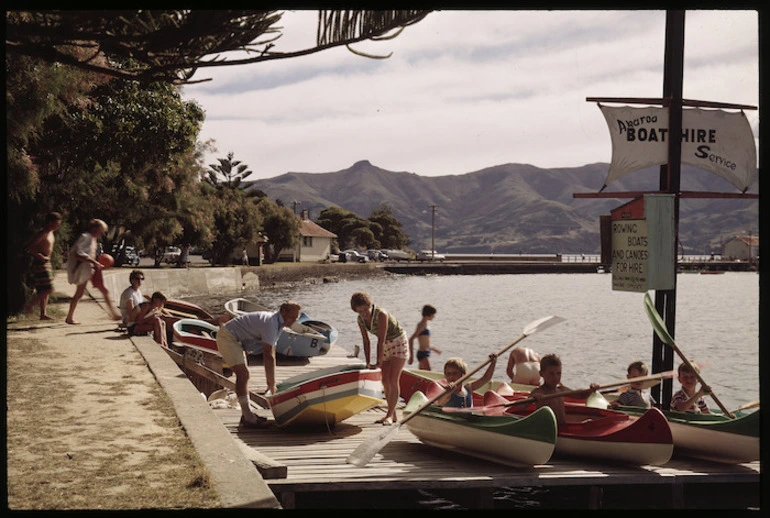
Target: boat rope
x=326, y=414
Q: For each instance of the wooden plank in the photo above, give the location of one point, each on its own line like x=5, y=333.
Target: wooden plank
x=268, y=468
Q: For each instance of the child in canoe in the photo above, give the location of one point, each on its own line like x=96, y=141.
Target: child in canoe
x=550, y=371
x=687, y=399
x=635, y=395
x=462, y=395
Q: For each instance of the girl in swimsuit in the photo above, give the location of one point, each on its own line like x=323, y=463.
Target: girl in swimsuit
x=422, y=334
x=392, y=348
x=462, y=396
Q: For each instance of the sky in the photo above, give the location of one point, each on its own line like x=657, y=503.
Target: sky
x=466, y=90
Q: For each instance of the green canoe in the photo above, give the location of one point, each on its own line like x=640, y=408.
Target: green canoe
x=507, y=439
x=712, y=437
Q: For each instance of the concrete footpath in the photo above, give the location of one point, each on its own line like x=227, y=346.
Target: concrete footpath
x=234, y=478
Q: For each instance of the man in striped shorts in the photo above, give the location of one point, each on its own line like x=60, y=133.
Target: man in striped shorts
x=41, y=248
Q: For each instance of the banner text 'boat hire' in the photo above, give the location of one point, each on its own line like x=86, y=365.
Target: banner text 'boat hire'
x=717, y=141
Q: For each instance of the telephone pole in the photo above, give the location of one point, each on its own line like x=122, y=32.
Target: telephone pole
x=433, y=232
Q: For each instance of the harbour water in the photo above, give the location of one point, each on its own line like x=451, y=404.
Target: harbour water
x=717, y=321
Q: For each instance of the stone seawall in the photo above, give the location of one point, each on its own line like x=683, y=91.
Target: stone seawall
x=181, y=282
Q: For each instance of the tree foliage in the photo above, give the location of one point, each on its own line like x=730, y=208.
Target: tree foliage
x=237, y=221
x=172, y=45
x=227, y=173
x=380, y=230
x=128, y=156
x=387, y=229
x=96, y=127
x=281, y=227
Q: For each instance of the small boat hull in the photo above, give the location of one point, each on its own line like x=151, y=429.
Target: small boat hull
x=304, y=339
x=199, y=338
x=640, y=441
x=609, y=435
x=713, y=437
x=174, y=310
x=197, y=334
x=505, y=439
x=326, y=397
x=239, y=306
x=182, y=309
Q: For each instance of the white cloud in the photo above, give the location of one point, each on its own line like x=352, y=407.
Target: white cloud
x=465, y=90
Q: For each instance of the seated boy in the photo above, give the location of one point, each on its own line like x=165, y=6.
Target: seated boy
x=550, y=371
x=687, y=399
x=635, y=395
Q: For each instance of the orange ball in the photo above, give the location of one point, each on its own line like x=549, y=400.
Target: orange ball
x=106, y=260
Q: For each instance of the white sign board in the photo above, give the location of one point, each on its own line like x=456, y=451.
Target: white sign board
x=629, y=255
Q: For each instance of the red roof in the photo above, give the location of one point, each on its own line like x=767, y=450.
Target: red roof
x=310, y=229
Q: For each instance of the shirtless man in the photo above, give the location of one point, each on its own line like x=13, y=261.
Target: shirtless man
x=524, y=366
x=41, y=248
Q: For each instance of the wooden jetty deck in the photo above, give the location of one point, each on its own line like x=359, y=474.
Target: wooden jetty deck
x=300, y=465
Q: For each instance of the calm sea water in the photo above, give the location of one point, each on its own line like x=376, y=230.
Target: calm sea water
x=717, y=321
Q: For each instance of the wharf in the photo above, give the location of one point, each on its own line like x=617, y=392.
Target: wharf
x=314, y=473
x=452, y=267
x=501, y=267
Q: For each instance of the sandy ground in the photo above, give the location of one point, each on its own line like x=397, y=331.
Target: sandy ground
x=88, y=426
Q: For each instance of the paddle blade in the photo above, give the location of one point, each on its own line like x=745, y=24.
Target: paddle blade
x=657, y=322
x=370, y=447
x=597, y=400
x=543, y=323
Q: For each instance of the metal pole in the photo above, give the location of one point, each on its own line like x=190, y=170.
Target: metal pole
x=665, y=300
x=433, y=233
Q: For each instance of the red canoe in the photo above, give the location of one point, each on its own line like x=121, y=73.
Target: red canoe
x=609, y=435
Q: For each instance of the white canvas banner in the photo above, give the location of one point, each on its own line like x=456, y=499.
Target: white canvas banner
x=713, y=140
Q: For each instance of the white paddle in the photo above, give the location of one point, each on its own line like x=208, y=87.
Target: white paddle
x=369, y=448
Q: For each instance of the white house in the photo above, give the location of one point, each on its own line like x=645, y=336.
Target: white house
x=315, y=243
x=741, y=247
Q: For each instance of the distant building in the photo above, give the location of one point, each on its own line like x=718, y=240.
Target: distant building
x=744, y=248
x=315, y=243
x=255, y=251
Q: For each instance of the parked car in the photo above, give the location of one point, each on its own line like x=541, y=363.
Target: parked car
x=398, y=255
x=428, y=255
x=353, y=256
x=128, y=256
x=171, y=255
x=376, y=255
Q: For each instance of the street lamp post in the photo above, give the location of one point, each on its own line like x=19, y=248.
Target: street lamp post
x=433, y=232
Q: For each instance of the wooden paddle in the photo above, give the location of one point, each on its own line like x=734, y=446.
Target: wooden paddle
x=168, y=312
x=646, y=381
x=662, y=332
x=747, y=406
x=369, y=448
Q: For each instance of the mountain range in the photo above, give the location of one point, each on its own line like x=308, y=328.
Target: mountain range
x=513, y=208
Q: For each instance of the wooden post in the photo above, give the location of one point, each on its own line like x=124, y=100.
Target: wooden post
x=665, y=300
